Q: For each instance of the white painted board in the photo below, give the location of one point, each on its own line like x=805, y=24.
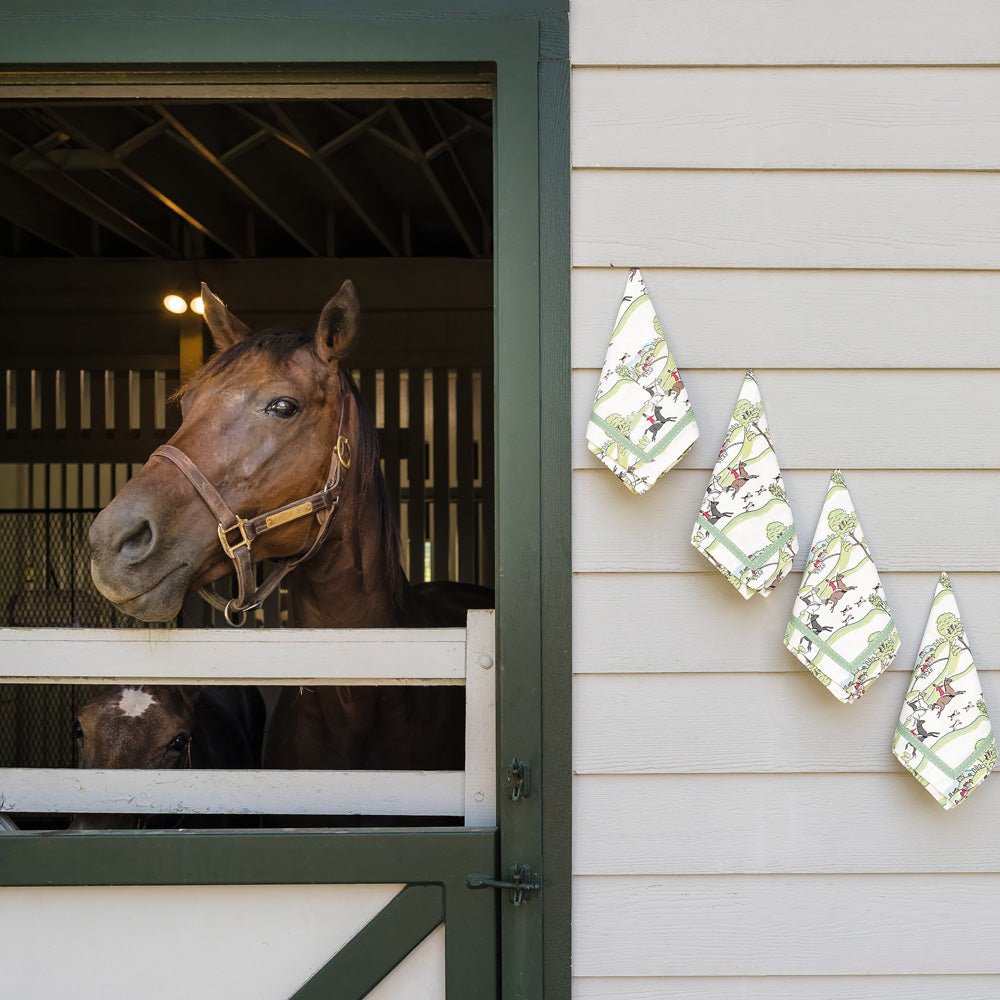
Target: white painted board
x=941, y=118
x=739, y=723
x=725, y=318
x=811, y=219
x=782, y=32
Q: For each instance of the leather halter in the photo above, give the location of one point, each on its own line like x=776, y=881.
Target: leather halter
x=237, y=534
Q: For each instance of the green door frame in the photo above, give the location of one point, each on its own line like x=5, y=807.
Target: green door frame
x=523, y=45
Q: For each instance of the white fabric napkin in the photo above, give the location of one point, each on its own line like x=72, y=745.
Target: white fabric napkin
x=841, y=628
x=642, y=423
x=944, y=737
x=745, y=526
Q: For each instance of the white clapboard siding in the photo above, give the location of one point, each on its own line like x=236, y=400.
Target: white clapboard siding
x=850, y=219
x=738, y=723
x=782, y=32
x=852, y=419
x=801, y=319
x=214, y=656
x=941, y=118
x=786, y=925
x=916, y=521
x=788, y=988
x=669, y=603
x=777, y=823
x=222, y=792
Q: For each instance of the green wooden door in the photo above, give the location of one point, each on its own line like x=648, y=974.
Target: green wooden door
x=521, y=48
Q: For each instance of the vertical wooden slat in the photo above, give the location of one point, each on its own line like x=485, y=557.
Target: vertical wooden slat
x=416, y=474
x=47, y=392
x=22, y=403
x=147, y=406
x=465, y=477
x=121, y=405
x=441, y=476
x=390, y=434
x=3, y=403
x=173, y=382
x=73, y=405
x=488, y=480
x=98, y=424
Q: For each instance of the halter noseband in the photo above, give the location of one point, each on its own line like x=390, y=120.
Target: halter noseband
x=237, y=534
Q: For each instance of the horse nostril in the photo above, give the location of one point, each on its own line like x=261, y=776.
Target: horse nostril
x=138, y=542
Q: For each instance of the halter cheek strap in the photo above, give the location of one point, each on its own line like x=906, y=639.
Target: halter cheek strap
x=237, y=534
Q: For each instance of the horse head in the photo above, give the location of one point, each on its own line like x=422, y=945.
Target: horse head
x=133, y=727
x=261, y=422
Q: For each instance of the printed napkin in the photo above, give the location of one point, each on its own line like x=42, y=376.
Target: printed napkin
x=944, y=737
x=745, y=526
x=842, y=629
x=642, y=424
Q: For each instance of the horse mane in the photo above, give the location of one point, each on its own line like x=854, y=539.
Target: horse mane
x=279, y=344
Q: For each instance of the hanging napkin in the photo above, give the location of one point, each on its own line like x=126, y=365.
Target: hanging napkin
x=642, y=423
x=745, y=525
x=944, y=737
x=841, y=627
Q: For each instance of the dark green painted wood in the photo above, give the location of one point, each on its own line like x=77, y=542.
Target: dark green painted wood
x=378, y=947
x=250, y=857
x=530, y=406
x=557, y=673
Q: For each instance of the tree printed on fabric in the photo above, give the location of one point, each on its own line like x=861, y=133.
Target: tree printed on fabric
x=944, y=737
x=745, y=525
x=642, y=423
x=841, y=627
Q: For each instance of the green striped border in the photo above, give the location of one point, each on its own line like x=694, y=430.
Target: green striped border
x=632, y=447
x=903, y=732
x=851, y=668
x=748, y=563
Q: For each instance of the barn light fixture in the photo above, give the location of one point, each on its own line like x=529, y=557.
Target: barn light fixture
x=175, y=304
x=198, y=305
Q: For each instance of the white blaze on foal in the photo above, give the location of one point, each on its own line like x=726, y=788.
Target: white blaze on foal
x=134, y=702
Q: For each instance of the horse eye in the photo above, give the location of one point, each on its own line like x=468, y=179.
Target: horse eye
x=283, y=407
x=77, y=730
x=179, y=742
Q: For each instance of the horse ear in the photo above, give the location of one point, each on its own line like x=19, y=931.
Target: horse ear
x=338, y=324
x=225, y=328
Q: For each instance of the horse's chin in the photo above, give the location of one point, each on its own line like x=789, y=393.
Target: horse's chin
x=159, y=603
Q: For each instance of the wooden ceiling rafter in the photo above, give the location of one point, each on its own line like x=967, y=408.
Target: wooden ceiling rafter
x=230, y=238
x=294, y=133
x=66, y=188
x=279, y=218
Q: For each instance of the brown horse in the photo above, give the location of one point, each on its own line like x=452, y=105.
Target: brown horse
x=272, y=418
x=166, y=727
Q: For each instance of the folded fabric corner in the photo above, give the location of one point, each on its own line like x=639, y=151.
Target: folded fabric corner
x=944, y=737
x=642, y=423
x=745, y=526
x=841, y=628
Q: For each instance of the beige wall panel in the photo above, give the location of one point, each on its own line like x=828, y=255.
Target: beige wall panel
x=782, y=32
x=690, y=824
x=941, y=118
x=670, y=602
x=740, y=724
x=801, y=319
x=811, y=219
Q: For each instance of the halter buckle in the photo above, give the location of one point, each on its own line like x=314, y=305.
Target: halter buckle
x=243, y=541
x=343, y=445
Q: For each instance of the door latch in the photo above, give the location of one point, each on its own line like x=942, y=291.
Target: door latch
x=523, y=882
x=518, y=780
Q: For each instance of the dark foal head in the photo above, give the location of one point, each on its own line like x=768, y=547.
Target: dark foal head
x=260, y=420
x=133, y=727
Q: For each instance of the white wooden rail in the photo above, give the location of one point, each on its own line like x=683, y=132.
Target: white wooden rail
x=267, y=657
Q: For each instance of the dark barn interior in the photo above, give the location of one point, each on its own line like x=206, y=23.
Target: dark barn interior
x=108, y=206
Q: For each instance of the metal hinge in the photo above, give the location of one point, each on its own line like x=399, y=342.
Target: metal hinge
x=518, y=780
x=523, y=882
